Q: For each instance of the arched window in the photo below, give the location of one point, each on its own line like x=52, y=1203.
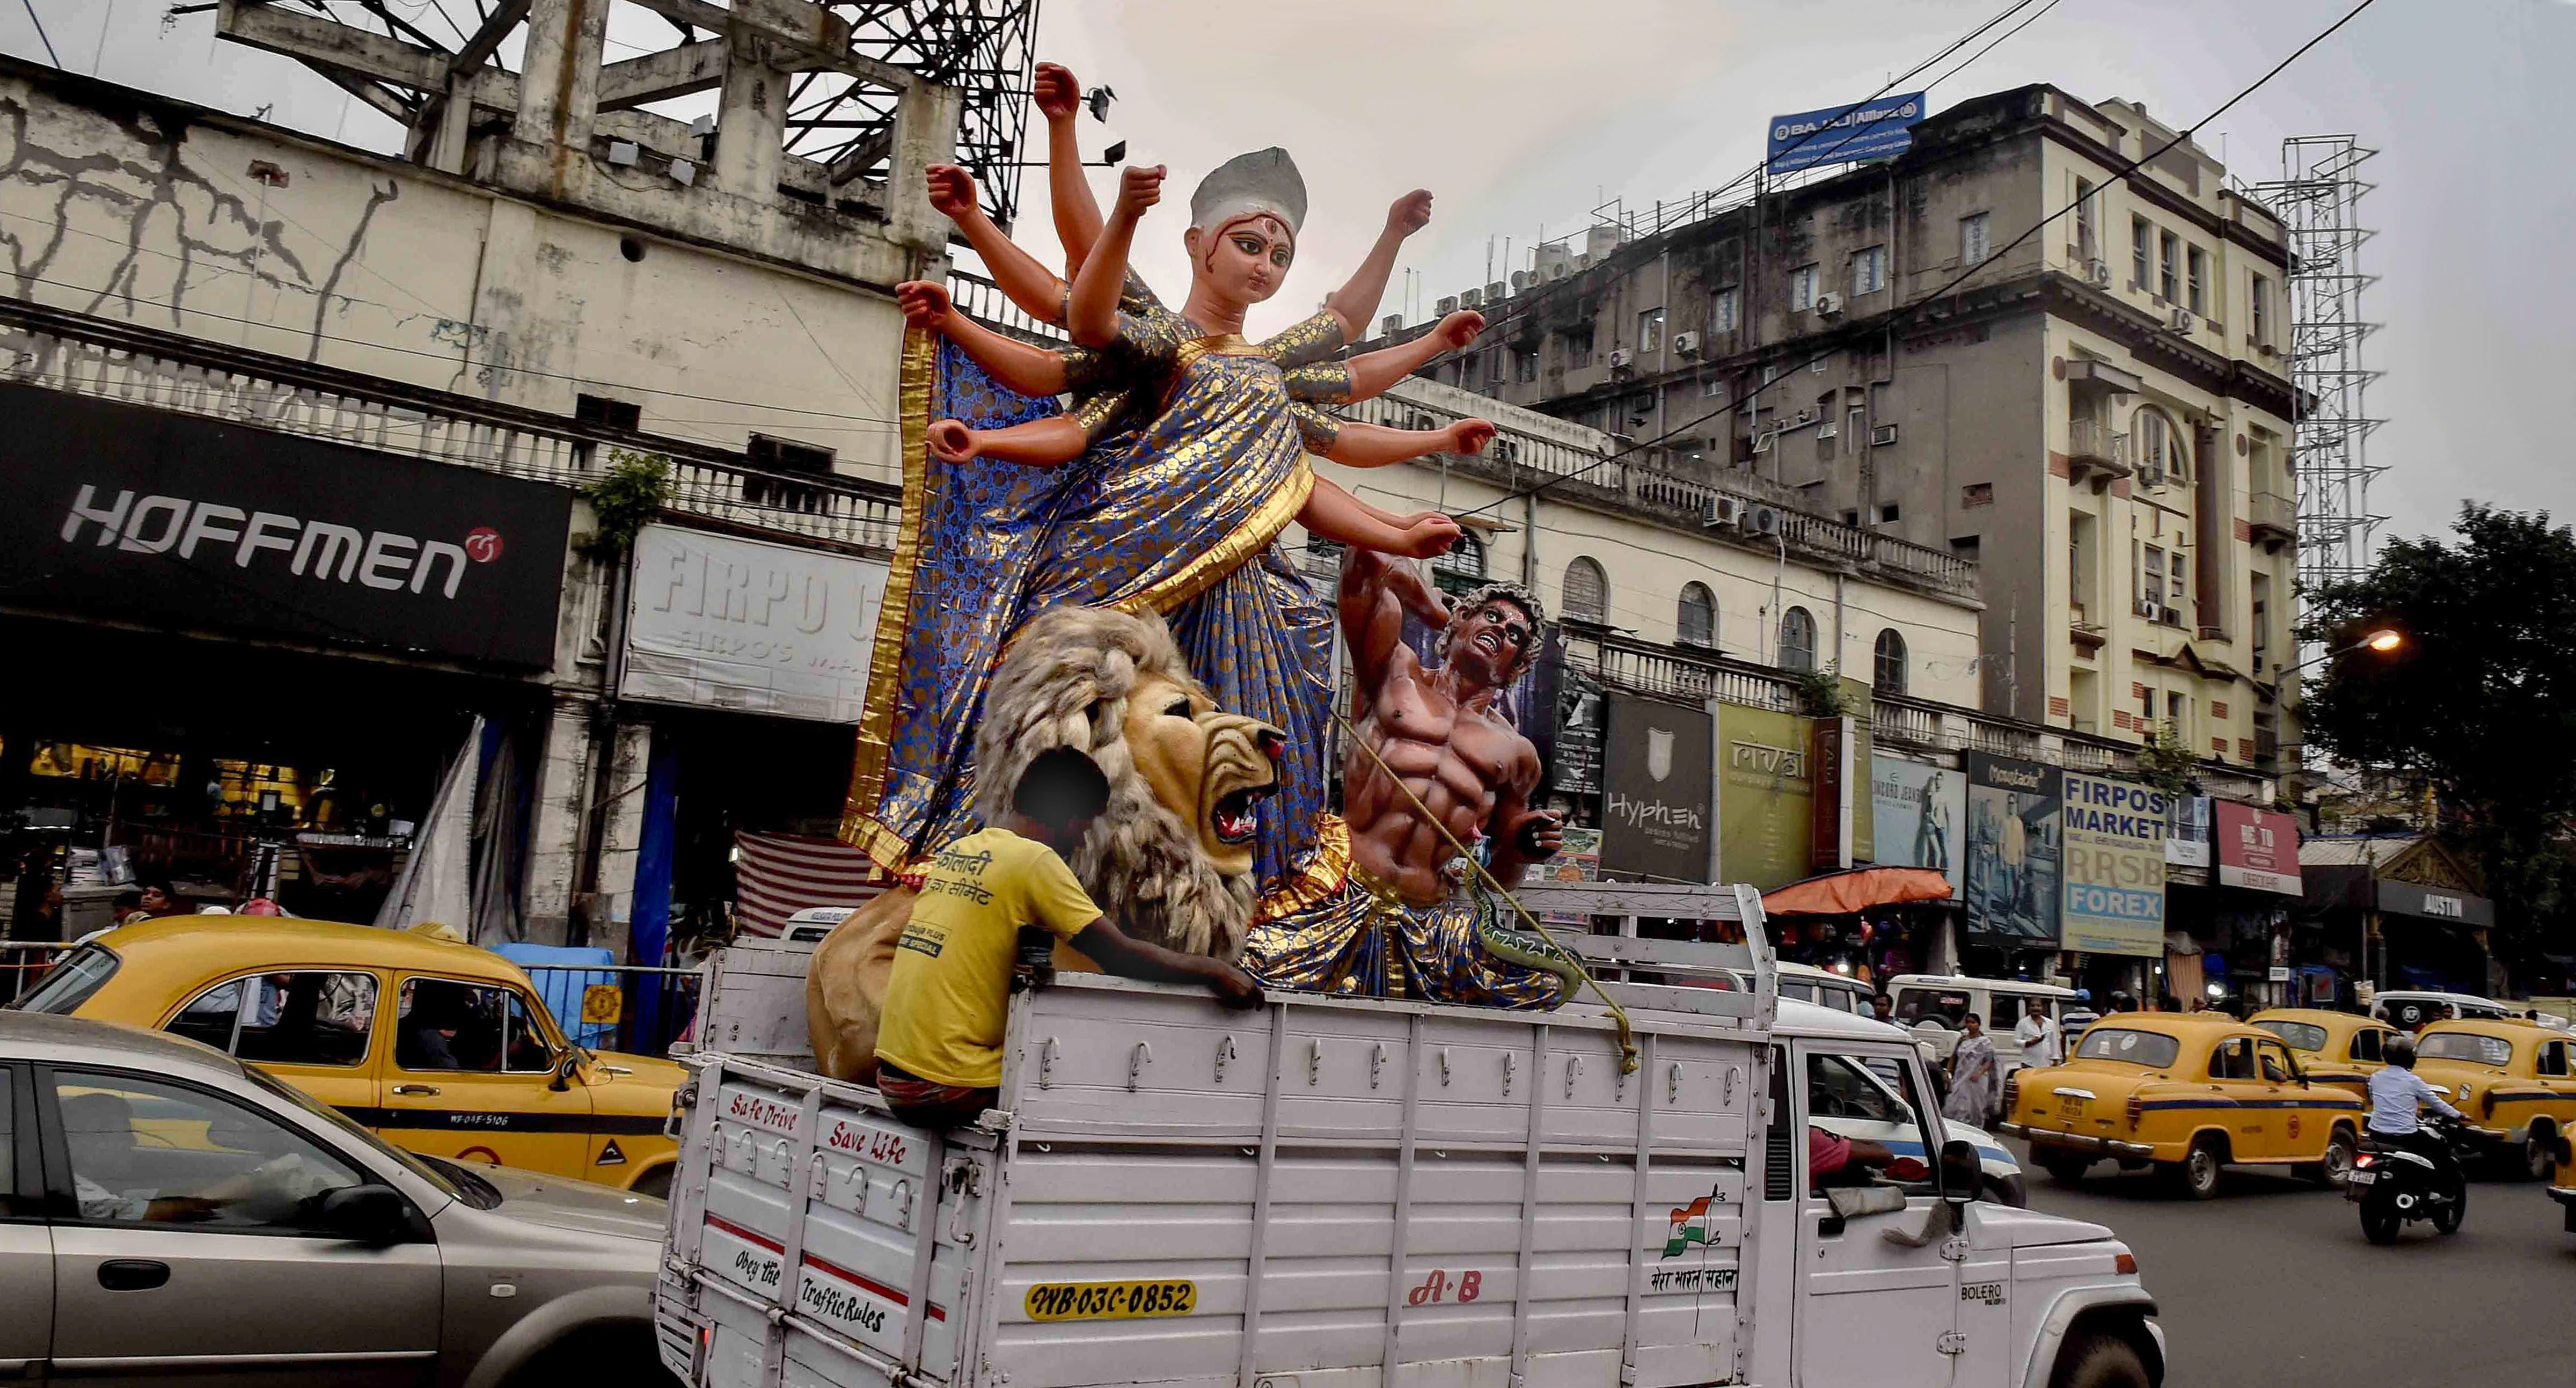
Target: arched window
x=1587, y=590
x=1695, y=623
x=1465, y=561
x=1797, y=640
x=1887, y=671
x=2161, y=450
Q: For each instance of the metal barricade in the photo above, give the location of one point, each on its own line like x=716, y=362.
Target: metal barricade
x=24, y=964
x=634, y=1008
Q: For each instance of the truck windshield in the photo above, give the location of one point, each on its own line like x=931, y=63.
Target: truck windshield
x=2152, y=1049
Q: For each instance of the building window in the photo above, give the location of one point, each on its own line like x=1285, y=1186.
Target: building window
x=2198, y=261
x=2151, y=580
x=1587, y=590
x=1887, y=663
x=2088, y=239
x=1467, y=372
x=1723, y=309
x=2161, y=456
x=1887, y=514
x=1578, y=346
x=1802, y=288
x=1463, y=565
x=1869, y=270
x=2168, y=267
x=1494, y=365
x=2141, y=239
x=1712, y=388
x=2262, y=310
x=1650, y=331
x=1695, y=623
x=2262, y=624
x=1525, y=363
x=1973, y=245
x=1797, y=640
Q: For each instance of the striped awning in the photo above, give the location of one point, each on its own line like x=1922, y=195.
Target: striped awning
x=778, y=875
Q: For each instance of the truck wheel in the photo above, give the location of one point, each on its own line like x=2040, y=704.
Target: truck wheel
x=2065, y=1168
x=2340, y=1150
x=2197, y=1173
x=2101, y=1361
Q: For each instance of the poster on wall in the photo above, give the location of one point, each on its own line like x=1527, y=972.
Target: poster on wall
x=1766, y=796
x=1655, y=791
x=1917, y=810
x=2187, y=831
x=2115, y=866
x=720, y=622
x=2012, y=885
x=2257, y=849
x=1575, y=769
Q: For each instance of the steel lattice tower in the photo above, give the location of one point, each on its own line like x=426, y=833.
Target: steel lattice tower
x=2318, y=200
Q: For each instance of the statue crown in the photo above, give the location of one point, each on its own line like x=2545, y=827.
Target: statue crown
x=1265, y=181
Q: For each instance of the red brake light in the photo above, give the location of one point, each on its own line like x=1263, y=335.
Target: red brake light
x=2134, y=1108
x=2012, y=1093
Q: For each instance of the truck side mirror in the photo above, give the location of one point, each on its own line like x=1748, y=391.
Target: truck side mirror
x=1961, y=1171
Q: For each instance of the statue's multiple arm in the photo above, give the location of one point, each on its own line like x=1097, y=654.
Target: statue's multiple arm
x=1024, y=367
x=1077, y=213
x=1375, y=445
x=1091, y=314
x=1355, y=302
x=1520, y=835
x=1335, y=514
x=1029, y=284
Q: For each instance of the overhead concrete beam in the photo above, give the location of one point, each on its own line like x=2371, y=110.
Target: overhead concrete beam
x=820, y=40
x=691, y=67
x=333, y=47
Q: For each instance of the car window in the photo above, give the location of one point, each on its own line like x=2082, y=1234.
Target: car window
x=2461, y=1045
x=448, y=1026
x=2275, y=1062
x=2233, y=1060
x=2553, y=1058
x=1940, y=1005
x=2152, y=1049
x=1842, y=1087
x=2366, y=1042
x=81, y=973
x=445, y=1175
x=146, y=1152
x=11, y=1206
x=1840, y=1092
x=302, y=1018
x=2305, y=1036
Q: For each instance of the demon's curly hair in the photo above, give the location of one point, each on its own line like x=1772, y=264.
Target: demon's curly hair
x=1513, y=593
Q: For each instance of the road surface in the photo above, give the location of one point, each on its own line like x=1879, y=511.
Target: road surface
x=2272, y=1284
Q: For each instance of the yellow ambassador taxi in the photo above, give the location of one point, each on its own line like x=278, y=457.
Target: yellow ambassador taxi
x=2563, y=1187
x=2514, y=1079
x=2191, y=1093
x=2342, y=1049
x=439, y=1047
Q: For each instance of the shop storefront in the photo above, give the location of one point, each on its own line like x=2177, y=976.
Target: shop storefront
x=2394, y=912
x=2236, y=914
x=244, y=660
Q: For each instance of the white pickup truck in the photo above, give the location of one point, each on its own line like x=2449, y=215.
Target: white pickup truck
x=1349, y=1193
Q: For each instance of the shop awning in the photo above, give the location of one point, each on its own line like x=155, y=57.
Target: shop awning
x=1856, y=889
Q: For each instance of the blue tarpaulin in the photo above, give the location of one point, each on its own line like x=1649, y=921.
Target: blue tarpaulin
x=561, y=972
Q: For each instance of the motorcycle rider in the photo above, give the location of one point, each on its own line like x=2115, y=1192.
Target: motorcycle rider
x=2396, y=1094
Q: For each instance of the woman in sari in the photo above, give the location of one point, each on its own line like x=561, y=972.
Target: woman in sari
x=1973, y=1082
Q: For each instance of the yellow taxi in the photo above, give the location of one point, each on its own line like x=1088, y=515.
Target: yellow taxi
x=2191, y=1093
x=2342, y=1049
x=2562, y=1188
x=439, y=1047
x=2514, y=1079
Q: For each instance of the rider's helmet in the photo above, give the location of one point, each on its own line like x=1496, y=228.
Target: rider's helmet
x=2400, y=1052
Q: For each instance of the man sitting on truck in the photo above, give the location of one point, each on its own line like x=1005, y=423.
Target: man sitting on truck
x=939, y=1051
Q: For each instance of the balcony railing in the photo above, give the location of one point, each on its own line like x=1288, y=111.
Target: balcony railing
x=2272, y=517
x=86, y=356
x=2092, y=447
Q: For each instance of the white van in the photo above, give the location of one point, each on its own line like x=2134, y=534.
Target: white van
x=1933, y=1004
x=2413, y=1009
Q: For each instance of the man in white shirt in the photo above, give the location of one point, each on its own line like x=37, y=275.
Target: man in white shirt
x=2040, y=1043
x=2396, y=1094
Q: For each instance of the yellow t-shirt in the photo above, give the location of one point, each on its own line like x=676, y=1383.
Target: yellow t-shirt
x=949, y=995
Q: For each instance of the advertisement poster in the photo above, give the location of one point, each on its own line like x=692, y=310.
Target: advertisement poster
x=1918, y=810
x=1766, y=796
x=2257, y=849
x=2187, y=831
x=1879, y=128
x=1578, y=861
x=2115, y=866
x=1655, y=784
x=2012, y=852
x=720, y=622
x=1575, y=769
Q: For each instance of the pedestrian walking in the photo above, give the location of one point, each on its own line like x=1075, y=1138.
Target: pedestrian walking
x=1972, y=1076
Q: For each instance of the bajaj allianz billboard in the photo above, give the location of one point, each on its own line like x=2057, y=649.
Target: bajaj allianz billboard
x=2115, y=866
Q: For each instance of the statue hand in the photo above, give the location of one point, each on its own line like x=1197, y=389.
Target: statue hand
x=1057, y=94
x=1470, y=436
x=1139, y=189
x=1539, y=836
x=952, y=442
x=925, y=305
x=952, y=190
x=1458, y=331
x=1430, y=534
x=1411, y=213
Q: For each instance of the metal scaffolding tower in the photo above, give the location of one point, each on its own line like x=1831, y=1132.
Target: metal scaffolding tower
x=2318, y=200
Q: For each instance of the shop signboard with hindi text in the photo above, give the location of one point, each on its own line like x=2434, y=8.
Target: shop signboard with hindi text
x=2013, y=845
x=2115, y=866
x=2257, y=849
x=1766, y=796
x=715, y=621
x=1917, y=810
x=1655, y=809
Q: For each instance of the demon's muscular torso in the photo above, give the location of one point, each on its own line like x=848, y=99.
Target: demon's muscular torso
x=1439, y=730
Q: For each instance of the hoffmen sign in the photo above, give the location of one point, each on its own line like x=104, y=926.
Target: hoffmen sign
x=173, y=519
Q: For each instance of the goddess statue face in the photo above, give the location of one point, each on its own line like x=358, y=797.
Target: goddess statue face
x=1243, y=261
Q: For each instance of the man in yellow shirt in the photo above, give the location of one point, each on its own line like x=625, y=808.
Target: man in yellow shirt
x=939, y=1051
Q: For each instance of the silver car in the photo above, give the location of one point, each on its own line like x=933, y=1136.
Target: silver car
x=168, y=1215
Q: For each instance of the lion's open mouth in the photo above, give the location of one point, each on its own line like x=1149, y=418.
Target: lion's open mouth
x=1235, y=818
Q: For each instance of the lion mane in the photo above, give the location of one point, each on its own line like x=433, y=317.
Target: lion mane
x=1065, y=683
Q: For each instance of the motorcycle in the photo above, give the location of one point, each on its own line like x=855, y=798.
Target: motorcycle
x=2395, y=1185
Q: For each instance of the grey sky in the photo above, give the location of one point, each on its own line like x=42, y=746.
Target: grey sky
x=1523, y=114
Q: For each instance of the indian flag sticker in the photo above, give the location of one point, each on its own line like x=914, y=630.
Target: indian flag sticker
x=1691, y=1225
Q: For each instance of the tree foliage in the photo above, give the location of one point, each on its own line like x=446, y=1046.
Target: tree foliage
x=2479, y=702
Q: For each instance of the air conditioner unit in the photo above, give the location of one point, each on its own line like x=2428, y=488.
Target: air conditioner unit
x=1390, y=325
x=1472, y=298
x=1829, y=304
x=2182, y=321
x=1882, y=436
x=2150, y=478
x=2098, y=271
x=1721, y=513
x=1764, y=520
x=1448, y=304
x=1556, y=271
x=2169, y=616
x=1521, y=279
x=1686, y=343
x=1583, y=260
x=2144, y=607
x=1621, y=358
x=1494, y=292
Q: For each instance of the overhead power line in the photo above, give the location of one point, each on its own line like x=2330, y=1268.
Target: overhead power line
x=48, y=39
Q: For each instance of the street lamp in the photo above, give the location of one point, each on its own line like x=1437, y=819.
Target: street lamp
x=2384, y=640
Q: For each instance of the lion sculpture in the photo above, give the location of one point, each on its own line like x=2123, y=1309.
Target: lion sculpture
x=1171, y=858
